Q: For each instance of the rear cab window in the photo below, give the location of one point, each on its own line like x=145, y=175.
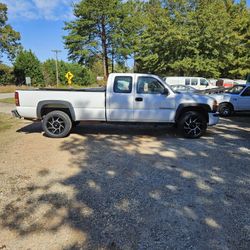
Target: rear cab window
x=123, y=84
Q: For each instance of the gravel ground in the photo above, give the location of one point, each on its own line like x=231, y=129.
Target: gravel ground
x=125, y=187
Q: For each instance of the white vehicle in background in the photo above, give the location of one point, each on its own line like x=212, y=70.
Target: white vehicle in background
x=128, y=98
x=212, y=81
x=199, y=83
x=234, y=99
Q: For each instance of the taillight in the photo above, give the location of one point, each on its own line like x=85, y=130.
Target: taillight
x=17, y=99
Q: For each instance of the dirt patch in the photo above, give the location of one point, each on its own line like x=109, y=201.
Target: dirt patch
x=125, y=187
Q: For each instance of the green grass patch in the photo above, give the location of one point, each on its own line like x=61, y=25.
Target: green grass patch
x=8, y=100
x=11, y=88
x=6, y=122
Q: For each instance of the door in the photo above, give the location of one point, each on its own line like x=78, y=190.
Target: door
x=120, y=99
x=150, y=102
x=244, y=100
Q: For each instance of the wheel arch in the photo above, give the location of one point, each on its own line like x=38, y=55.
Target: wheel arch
x=227, y=103
x=199, y=107
x=44, y=107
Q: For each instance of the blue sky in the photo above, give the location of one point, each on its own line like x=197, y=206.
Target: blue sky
x=41, y=23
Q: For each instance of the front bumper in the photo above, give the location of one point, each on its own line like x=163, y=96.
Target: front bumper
x=15, y=114
x=213, y=118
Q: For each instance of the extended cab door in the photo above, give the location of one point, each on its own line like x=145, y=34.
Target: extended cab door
x=244, y=100
x=119, y=103
x=151, y=104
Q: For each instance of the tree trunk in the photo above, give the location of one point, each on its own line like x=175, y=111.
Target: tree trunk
x=104, y=49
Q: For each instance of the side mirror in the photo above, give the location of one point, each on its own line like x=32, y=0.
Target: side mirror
x=165, y=92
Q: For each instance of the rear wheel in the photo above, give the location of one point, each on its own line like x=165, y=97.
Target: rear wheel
x=57, y=124
x=192, y=124
x=225, y=109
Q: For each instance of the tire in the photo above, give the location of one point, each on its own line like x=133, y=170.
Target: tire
x=57, y=124
x=225, y=110
x=192, y=124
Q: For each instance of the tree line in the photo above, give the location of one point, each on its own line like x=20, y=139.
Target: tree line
x=209, y=38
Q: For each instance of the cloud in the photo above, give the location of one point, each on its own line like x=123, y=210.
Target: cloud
x=40, y=9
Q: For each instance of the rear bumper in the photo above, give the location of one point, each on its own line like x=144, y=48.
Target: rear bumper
x=15, y=114
x=213, y=118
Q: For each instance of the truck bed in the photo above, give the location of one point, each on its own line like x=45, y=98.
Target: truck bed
x=87, y=103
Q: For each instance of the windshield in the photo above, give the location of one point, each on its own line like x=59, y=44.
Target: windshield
x=169, y=86
x=235, y=89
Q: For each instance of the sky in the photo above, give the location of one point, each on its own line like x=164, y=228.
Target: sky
x=41, y=23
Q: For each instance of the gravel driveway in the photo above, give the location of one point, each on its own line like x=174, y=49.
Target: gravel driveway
x=126, y=187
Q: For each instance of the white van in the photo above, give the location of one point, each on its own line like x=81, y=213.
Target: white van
x=196, y=82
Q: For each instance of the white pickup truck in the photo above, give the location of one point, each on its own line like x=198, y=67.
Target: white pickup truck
x=128, y=98
x=235, y=99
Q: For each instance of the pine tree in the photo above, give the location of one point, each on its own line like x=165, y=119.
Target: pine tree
x=28, y=65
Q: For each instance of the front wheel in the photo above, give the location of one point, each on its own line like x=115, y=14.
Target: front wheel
x=192, y=124
x=57, y=124
x=225, y=109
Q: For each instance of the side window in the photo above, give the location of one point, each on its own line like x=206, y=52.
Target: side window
x=123, y=84
x=203, y=82
x=194, y=81
x=187, y=81
x=149, y=85
x=246, y=92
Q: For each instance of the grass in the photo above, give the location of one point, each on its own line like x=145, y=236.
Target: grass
x=8, y=100
x=6, y=122
x=11, y=88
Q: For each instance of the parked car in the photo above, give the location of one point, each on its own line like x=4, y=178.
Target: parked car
x=215, y=90
x=195, y=82
x=184, y=88
x=129, y=98
x=224, y=82
x=234, y=99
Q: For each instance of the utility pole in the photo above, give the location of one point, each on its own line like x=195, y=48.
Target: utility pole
x=56, y=51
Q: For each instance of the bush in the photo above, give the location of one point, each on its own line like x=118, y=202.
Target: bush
x=28, y=65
